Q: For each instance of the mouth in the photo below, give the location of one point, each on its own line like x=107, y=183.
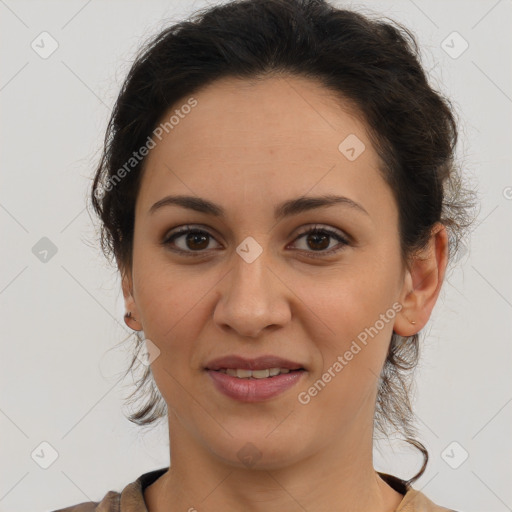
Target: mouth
x=242, y=373
x=254, y=380
x=263, y=363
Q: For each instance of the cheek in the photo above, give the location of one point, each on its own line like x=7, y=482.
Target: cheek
x=351, y=301
x=175, y=306
x=357, y=308
x=170, y=306
x=165, y=293
x=352, y=357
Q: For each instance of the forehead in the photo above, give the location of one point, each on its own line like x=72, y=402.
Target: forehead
x=264, y=140
x=271, y=113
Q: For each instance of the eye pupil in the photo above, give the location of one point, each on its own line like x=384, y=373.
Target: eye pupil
x=317, y=236
x=194, y=236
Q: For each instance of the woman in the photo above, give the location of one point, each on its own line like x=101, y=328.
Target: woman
x=279, y=193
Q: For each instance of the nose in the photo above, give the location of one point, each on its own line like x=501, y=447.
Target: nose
x=253, y=298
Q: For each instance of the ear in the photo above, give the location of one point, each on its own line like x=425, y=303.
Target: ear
x=422, y=284
x=133, y=321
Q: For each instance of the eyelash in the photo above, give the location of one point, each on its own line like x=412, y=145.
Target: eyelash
x=314, y=230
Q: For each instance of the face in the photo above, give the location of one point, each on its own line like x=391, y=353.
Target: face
x=248, y=283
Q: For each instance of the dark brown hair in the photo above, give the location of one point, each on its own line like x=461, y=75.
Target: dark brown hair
x=372, y=63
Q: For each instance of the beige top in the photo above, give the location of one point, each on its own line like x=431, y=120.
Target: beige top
x=131, y=498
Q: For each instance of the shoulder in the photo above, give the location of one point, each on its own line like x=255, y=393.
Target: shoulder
x=416, y=501
x=110, y=503
x=413, y=500
x=131, y=498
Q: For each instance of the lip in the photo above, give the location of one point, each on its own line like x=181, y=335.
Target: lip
x=254, y=390
x=258, y=363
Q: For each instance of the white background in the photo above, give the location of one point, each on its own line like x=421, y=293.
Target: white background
x=61, y=320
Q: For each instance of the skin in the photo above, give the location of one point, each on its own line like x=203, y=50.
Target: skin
x=248, y=146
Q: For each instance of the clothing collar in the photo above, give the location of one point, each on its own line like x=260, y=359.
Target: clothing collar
x=131, y=499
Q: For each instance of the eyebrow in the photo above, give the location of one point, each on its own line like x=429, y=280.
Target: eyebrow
x=284, y=209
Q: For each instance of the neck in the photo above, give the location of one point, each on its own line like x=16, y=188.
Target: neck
x=339, y=477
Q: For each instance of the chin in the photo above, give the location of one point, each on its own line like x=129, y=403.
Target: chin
x=260, y=452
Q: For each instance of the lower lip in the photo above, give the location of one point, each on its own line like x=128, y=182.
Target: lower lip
x=254, y=390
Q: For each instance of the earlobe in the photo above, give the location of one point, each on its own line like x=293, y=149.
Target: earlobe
x=422, y=284
x=131, y=317
x=405, y=325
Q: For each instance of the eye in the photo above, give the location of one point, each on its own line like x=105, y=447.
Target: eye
x=317, y=238
x=195, y=241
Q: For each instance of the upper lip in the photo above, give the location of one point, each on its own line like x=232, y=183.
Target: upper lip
x=258, y=363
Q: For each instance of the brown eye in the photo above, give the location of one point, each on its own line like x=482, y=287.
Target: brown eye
x=317, y=240
x=194, y=240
